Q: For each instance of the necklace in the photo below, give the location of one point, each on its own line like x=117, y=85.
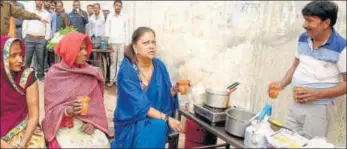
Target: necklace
x=147, y=79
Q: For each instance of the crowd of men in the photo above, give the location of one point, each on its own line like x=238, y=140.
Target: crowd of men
x=36, y=26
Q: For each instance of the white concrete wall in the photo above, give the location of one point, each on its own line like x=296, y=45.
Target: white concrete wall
x=219, y=42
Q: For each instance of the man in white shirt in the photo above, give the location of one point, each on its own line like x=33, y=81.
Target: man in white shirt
x=90, y=11
x=36, y=34
x=117, y=29
x=97, y=22
x=318, y=73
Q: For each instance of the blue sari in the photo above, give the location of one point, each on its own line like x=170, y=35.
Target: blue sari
x=133, y=128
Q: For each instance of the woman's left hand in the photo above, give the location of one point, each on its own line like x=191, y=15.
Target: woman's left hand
x=175, y=125
x=88, y=128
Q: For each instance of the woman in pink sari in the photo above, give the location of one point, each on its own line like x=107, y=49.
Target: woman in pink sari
x=19, y=112
x=63, y=125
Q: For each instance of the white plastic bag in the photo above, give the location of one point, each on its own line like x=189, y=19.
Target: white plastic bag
x=196, y=95
x=319, y=142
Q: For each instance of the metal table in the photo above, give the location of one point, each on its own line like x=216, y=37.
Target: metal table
x=218, y=130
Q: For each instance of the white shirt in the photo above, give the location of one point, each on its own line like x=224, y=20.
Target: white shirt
x=325, y=66
x=37, y=28
x=320, y=67
x=97, y=25
x=117, y=29
x=88, y=27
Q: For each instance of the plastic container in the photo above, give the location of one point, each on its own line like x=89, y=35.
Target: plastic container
x=255, y=133
x=103, y=45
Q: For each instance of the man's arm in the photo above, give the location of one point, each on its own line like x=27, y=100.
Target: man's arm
x=68, y=16
x=48, y=27
x=85, y=17
x=287, y=79
x=338, y=90
x=20, y=13
x=19, y=22
x=66, y=20
x=24, y=28
x=54, y=25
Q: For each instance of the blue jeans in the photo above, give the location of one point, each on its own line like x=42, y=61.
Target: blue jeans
x=37, y=47
x=19, y=32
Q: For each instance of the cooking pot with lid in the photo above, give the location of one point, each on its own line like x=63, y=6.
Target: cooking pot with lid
x=219, y=97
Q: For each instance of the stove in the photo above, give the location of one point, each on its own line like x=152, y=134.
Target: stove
x=212, y=115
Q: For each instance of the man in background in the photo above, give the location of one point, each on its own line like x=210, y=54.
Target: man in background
x=97, y=22
x=49, y=59
x=53, y=5
x=62, y=22
x=90, y=11
x=9, y=10
x=36, y=34
x=117, y=30
x=78, y=18
x=62, y=17
x=19, y=22
x=48, y=8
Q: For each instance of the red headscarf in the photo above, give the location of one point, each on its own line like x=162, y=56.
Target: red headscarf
x=64, y=83
x=69, y=47
x=13, y=109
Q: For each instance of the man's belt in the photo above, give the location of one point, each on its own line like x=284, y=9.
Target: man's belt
x=36, y=37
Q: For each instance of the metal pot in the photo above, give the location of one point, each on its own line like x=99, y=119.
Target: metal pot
x=217, y=98
x=237, y=121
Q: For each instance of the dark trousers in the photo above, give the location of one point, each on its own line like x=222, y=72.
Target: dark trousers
x=37, y=47
x=50, y=58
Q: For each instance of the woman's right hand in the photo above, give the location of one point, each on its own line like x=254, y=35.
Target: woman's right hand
x=176, y=125
x=75, y=109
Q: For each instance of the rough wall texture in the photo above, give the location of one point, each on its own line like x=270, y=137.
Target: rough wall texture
x=217, y=43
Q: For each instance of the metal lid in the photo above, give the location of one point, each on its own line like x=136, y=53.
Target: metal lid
x=218, y=91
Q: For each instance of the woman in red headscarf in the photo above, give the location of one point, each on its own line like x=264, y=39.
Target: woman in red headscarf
x=19, y=112
x=63, y=124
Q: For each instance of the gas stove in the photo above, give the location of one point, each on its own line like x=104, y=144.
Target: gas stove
x=212, y=115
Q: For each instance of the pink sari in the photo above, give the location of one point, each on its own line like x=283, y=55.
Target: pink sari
x=65, y=82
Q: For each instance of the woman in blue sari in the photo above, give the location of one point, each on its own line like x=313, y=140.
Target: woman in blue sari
x=146, y=98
